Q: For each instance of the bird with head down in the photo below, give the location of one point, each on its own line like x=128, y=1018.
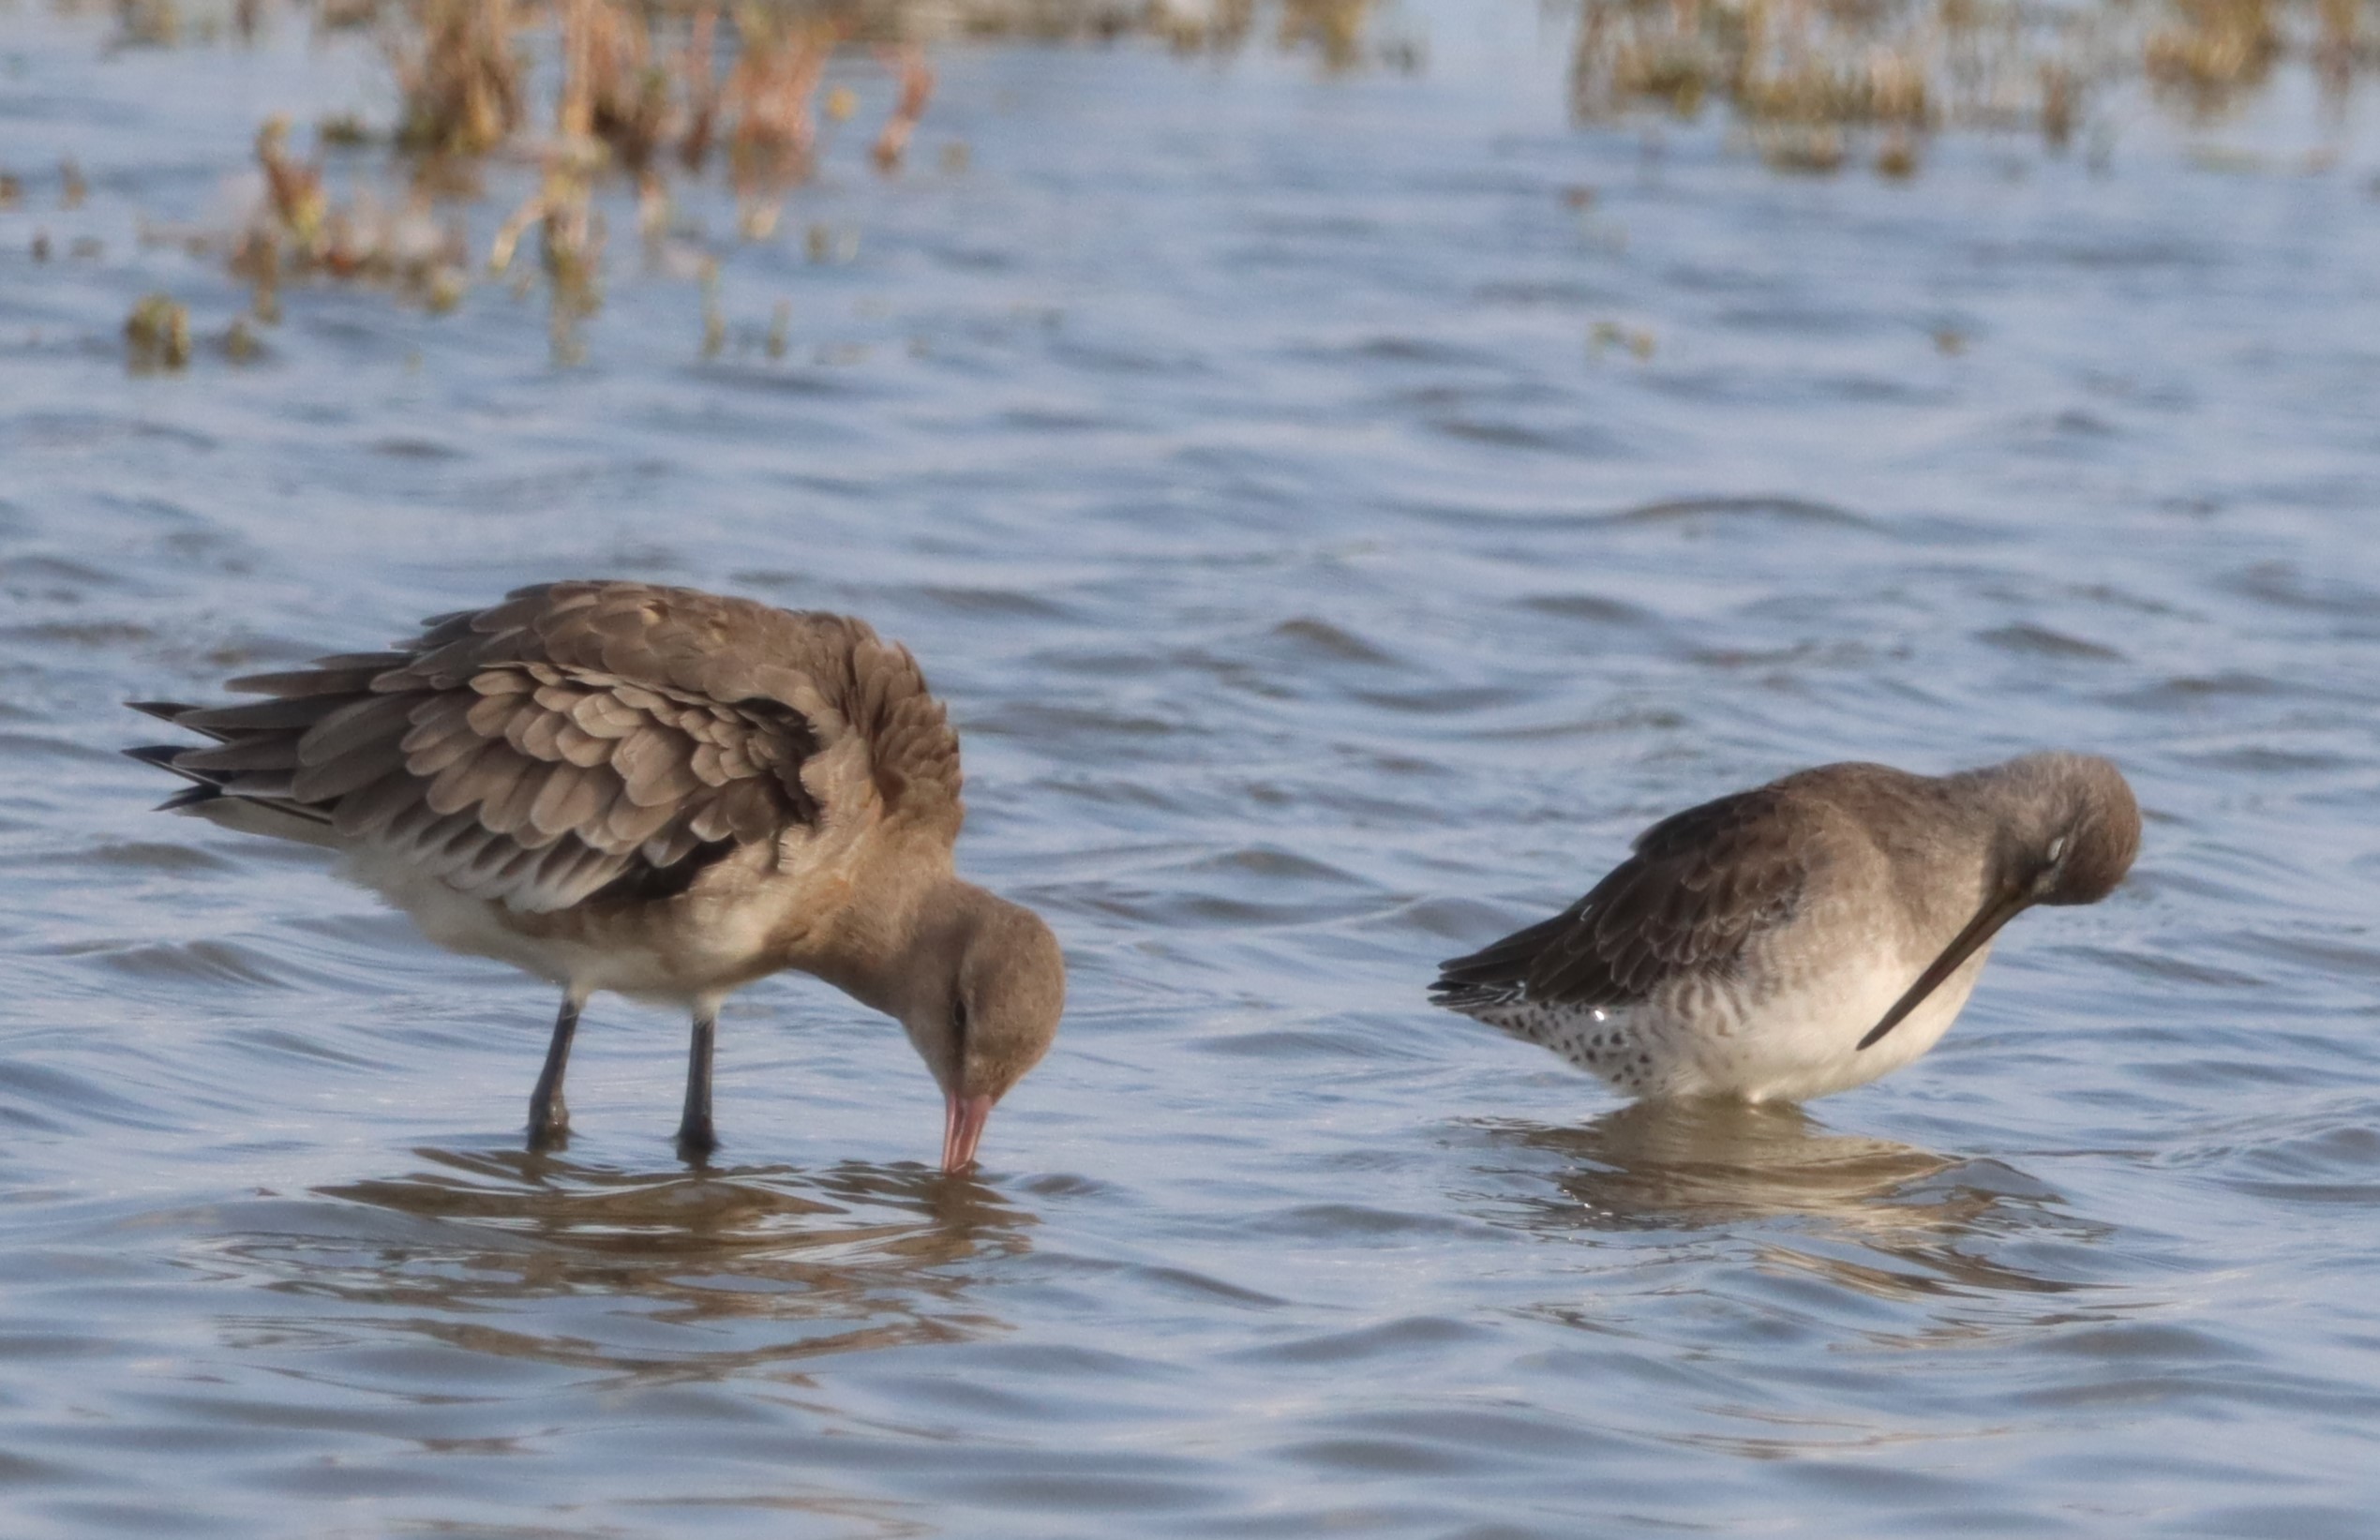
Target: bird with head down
x=1806, y=935
x=655, y=791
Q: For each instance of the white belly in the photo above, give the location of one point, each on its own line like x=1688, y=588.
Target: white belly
x=1721, y=1039
x=676, y=963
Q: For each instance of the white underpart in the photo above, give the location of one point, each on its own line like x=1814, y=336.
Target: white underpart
x=1746, y=1039
x=682, y=965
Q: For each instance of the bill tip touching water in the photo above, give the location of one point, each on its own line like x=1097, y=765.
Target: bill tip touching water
x=659, y=792
x=1804, y=936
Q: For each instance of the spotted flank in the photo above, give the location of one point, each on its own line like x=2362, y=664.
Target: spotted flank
x=1600, y=1041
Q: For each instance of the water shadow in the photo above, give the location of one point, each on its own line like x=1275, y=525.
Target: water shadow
x=676, y=1272
x=1925, y=1220
x=716, y=1211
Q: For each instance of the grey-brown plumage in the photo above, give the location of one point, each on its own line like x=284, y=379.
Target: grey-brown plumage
x=1806, y=935
x=658, y=791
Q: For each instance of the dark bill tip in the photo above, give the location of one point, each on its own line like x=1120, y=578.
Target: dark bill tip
x=963, y=1122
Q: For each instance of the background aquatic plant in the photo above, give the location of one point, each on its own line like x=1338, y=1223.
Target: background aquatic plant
x=580, y=97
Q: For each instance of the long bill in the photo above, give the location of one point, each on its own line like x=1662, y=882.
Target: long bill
x=962, y=1121
x=1986, y=925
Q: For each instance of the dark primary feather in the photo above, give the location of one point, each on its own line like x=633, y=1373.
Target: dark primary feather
x=1700, y=885
x=205, y=785
x=577, y=738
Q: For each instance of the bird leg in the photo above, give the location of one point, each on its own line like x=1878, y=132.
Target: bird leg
x=549, y=1119
x=694, y=1136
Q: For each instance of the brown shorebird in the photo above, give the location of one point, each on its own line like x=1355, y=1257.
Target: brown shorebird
x=1804, y=936
x=659, y=792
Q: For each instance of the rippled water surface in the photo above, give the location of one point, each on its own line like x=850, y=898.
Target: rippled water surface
x=1318, y=599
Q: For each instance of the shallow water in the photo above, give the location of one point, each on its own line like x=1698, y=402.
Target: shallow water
x=1317, y=601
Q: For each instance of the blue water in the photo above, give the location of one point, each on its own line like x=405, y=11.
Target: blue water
x=1318, y=598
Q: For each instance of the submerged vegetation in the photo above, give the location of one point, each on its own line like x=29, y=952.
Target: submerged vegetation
x=1804, y=77
x=569, y=99
x=156, y=335
x=639, y=92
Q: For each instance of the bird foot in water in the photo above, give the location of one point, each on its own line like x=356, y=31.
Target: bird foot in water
x=695, y=1142
x=549, y=1128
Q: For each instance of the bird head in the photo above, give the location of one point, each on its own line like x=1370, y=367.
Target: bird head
x=2086, y=835
x=988, y=1014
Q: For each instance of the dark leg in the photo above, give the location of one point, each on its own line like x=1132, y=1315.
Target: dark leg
x=549, y=1119
x=695, y=1137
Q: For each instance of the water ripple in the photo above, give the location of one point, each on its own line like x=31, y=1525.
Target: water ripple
x=1320, y=594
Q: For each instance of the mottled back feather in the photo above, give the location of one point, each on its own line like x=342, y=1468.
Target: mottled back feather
x=1700, y=884
x=590, y=736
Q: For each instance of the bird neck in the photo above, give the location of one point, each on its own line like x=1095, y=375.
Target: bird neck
x=897, y=946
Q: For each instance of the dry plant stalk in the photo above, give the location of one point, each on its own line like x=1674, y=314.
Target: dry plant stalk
x=604, y=55
x=147, y=24
x=916, y=88
x=1335, y=28
x=570, y=240
x=293, y=188
x=462, y=81
x=696, y=74
x=629, y=99
x=2336, y=44
x=612, y=89
x=299, y=232
x=769, y=93
x=1220, y=27
x=1804, y=76
x=2060, y=104
x=157, y=334
x=2213, y=50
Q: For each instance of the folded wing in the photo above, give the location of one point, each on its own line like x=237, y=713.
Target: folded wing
x=585, y=737
x=1700, y=885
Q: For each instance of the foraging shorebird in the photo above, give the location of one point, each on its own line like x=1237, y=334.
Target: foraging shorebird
x=655, y=791
x=1804, y=936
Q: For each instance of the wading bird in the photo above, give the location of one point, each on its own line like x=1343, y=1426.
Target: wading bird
x=659, y=792
x=1804, y=936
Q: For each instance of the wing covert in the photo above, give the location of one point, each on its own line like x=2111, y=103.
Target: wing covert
x=582, y=734
x=1700, y=884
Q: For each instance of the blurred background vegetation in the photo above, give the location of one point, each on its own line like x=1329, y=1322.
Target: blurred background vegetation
x=634, y=96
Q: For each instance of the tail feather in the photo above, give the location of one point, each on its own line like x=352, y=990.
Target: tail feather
x=164, y=710
x=1498, y=972
x=210, y=786
x=276, y=714
x=163, y=757
x=176, y=711
x=1473, y=999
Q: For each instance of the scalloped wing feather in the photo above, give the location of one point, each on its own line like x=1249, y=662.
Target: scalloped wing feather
x=540, y=749
x=1700, y=886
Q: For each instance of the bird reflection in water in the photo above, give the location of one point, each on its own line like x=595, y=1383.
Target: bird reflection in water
x=1923, y=1219
x=848, y=1257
